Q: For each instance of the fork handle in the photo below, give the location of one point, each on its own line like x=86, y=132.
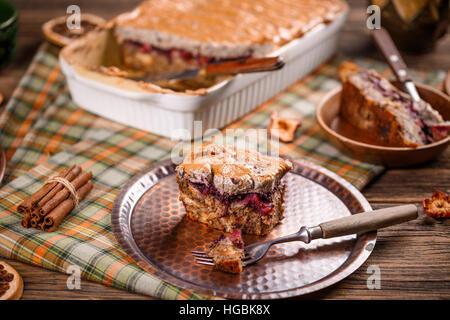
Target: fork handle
x=368, y=221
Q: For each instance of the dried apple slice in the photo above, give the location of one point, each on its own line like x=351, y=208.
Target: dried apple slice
x=438, y=206
x=11, y=283
x=284, y=129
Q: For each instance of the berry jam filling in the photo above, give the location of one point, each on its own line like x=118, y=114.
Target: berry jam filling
x=235, y=238
x=254, y=201
x=440, y=132
x=259, y=202
x=184, y=54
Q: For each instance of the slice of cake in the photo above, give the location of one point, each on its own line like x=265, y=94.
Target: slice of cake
x=227, y=188
x=384, y=113
x=228, y=252
x=173, y=35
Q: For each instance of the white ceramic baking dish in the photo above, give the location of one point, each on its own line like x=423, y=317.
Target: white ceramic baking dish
x=168, y=113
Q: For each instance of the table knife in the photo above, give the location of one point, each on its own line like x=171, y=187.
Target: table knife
x=390, y=52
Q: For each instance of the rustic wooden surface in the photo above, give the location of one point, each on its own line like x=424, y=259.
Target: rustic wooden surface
x=413, y=258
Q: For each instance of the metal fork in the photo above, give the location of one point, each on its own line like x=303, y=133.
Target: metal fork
x=357, y=223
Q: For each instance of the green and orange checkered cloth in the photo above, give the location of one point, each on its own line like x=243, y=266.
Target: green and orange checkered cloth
x=43, y=131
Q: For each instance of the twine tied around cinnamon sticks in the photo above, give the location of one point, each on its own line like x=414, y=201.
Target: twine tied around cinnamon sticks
x=47, y=207
x=66, y=183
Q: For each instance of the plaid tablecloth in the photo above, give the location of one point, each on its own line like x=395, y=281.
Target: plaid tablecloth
x=42, y=131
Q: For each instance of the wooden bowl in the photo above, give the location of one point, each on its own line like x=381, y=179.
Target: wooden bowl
x=353, y=144
x=56, y=32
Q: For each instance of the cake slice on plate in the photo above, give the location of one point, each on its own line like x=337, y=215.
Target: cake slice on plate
x=227, y=252
x=227, y=188
x=386, y=114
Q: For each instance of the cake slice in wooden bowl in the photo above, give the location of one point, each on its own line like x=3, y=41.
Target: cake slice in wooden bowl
x=386, y=114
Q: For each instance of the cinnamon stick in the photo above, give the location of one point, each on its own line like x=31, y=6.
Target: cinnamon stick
x=40, y=226
x=54, y=218
x=26, y=221
x=31, y=201
x=63, y=194
x=34, y=222
x=70, y=177
x=35, y=218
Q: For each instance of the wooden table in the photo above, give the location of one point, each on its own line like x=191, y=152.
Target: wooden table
x=413, y=258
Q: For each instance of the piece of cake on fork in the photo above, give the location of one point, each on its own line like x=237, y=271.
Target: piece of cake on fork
x=227, y=252
x=227, y=188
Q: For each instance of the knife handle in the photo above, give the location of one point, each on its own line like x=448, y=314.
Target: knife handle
x=247, y=65
x=390, y=52
x=368, y=221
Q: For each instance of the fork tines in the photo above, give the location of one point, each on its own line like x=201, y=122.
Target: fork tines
x=202, y=258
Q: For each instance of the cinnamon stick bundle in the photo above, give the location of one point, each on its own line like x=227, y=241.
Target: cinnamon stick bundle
x=27, y=205
x=62, y=195
x=54, y=218
x=55, y=199
x=70, y=176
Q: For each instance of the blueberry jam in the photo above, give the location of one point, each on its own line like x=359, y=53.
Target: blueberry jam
x=259, y=202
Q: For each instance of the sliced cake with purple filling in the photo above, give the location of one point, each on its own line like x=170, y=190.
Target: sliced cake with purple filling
x=384, y=113
x=172, y=35
x=227, y=188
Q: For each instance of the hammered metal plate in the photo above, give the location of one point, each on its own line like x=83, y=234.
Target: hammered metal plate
x=150, y=224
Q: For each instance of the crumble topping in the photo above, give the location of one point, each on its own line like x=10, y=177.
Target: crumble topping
x=234, y=170
x=222, y=21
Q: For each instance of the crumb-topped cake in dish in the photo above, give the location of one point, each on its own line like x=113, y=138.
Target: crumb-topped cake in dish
x=227, y=188
x=227, y=252
x=386, y=114
x=169, y=35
